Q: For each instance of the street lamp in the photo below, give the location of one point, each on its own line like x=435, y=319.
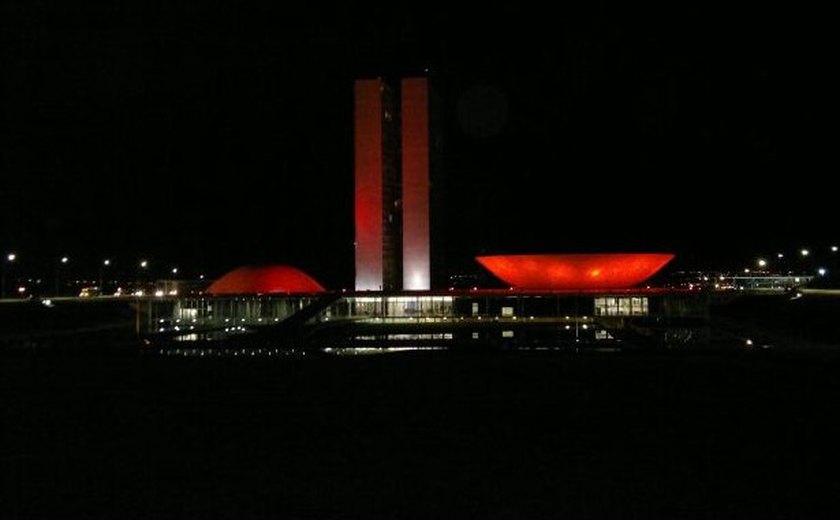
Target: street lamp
x=62, y=261
x=105, y=263
x=762, y=262
x=144, y=265
x=10, y=258
x=805, y=252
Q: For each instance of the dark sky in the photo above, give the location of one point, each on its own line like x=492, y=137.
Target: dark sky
x=211, y=137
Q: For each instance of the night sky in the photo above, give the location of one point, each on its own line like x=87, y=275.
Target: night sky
x=209, y=138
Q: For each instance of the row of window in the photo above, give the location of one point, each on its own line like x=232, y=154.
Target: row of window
x=621, y=306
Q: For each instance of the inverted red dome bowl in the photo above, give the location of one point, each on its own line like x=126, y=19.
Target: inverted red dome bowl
x=274, y=279
x=575, y=272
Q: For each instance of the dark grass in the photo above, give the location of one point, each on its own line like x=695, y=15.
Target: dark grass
x=426, y=435
x=813, y=318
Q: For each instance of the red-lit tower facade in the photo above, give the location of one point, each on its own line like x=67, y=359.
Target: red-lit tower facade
x=392, y=189
x=416, y=268
x=377, y=187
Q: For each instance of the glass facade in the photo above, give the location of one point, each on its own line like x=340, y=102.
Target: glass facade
x=400, y=306
x=621, y=306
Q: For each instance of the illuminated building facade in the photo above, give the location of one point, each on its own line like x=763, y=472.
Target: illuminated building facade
x=392, y=188
x=575, y=272
x=415, y=184
x=273, y=279
x=377, y=187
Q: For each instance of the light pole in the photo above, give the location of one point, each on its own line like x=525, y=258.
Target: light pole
x=173, y=284
x=62, y=261
x=805, y=266
x=10, y=258
x=144, y=265
x=105, y=263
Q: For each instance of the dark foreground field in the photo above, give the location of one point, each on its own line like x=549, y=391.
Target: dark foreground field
x=422, y=435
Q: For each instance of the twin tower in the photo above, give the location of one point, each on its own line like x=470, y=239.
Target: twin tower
x=392, y=190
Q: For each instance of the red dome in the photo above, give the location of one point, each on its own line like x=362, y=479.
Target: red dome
x=265, y=280
x=575, y=272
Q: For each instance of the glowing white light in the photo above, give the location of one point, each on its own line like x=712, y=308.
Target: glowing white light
x=64, y=259
x=144, y=264
x=417, y=281
x=158, y=293
x=21, y=290
x=762, y=262
x=174, y=270
x=749, y=342
x=833, y=249
x=805, y=252
x=822, y=271
x=106, y=262
x=780, y=255
x=11, y=257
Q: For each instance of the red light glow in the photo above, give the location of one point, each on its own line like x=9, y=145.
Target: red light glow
x=575, y=272
x=265, y=280
x=368, y=191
